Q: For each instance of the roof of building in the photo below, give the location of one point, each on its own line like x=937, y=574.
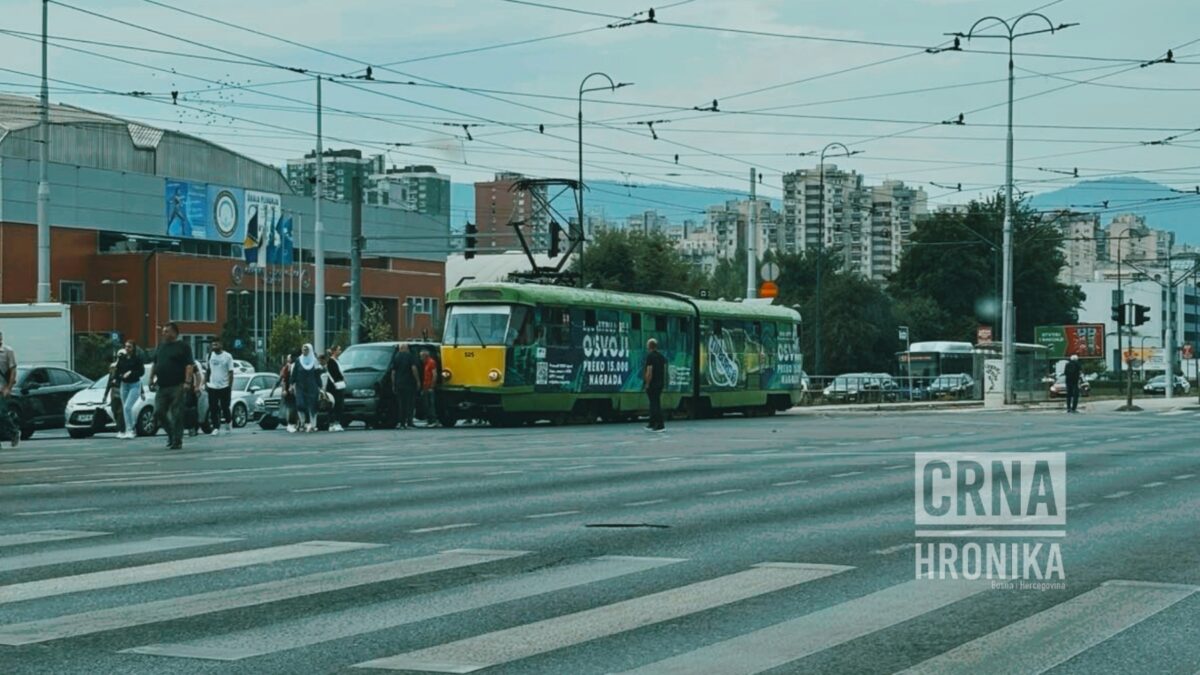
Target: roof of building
x=20, y=114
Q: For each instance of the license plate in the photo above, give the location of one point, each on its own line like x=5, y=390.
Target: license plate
x=85, y=417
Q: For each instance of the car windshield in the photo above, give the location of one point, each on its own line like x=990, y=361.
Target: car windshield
x=375, y=357
x=240, y=382
x=100, y=383
x=477, y=325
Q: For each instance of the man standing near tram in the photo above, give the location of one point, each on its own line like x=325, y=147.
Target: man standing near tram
x=654, y=377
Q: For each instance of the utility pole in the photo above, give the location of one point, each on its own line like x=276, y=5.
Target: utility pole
x=612, y=86
x=43, y=189
x=751, y=229
x=356, y=248
x=319, y=244
x=821, y=251
x=1008, y=328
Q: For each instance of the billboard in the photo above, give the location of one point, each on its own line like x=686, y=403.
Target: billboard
x=202, y=211
x=263, y=216
x=1085, y=340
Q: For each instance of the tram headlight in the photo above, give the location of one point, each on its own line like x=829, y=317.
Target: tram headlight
x=446, y=375
x=494, y=375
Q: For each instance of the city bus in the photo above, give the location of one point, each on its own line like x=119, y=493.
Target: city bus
x=519, y=353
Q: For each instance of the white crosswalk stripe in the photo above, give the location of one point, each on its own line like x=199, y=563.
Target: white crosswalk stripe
x=332, y=626
x=135, y=575
x=491, y=649
x=80, y=554
x=216, y=601
x=1046, y=639
x=43, y=536
x=782, y=643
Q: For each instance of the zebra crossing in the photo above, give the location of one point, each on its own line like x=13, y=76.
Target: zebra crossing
x=1036, y=642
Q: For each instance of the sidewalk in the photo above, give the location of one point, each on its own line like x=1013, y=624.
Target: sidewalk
x=850, y=408
x=1157, y=404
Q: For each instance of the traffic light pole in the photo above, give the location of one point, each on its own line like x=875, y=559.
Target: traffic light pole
x=1129, y=312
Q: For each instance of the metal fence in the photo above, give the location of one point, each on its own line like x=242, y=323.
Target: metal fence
x=872, y=388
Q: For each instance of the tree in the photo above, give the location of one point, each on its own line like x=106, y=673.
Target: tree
x=728, y=280
x=637, y=262
x=93, y=354
x=954, y=262
x=288, y=334
x=375, y=324
x=237, y=330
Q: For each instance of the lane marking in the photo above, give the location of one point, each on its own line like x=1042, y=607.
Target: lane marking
x=198, y=500
x=1081, y=506
x=714, y=493
x=504, y=646
x=1183, y=476
x=894, y=549
x=323, y=489
x=1157, y=483
x=43, y=536
x=101, y=551
x=1046, y=639
x=1118, y=495
x=439, y=528
x=788, y=641
x=169, y=570
x=57, y=512
x=647, y=502
x=310, y=630
x=503, y=473
x=790, y=482
x=553, y=514
x=895, y=466
x=581, y=466
x=848, y=473
x=87, y=623
x=984, y=532
x=417, y=480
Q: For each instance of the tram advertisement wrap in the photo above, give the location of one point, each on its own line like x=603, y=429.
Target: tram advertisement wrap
x=737, y=357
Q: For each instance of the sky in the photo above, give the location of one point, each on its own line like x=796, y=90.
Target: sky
x=789, y=76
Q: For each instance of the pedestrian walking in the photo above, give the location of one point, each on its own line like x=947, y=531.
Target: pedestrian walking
x=10, y=427
x=405, y=382
x=336, y=387
x=112, y=394
x=129, y=371
x=220, y=387
x=306, y=385
x=654, y=376
x=287, y=400
x=191, y=413
x=170, y=374
x=429, y=375
x=1072, y=373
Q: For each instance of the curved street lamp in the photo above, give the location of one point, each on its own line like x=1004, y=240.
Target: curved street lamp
x=583, y=89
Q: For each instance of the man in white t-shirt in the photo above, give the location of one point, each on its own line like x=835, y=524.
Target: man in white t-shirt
x=220, y=386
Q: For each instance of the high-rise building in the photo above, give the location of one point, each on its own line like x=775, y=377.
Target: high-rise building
x=727, y=224
x=846, y=206
x=896, y=210
x=1129, y=236
x=418, y=188
x=499, y=205
x=1082, y=245
x=647, y=222
x=339, y=167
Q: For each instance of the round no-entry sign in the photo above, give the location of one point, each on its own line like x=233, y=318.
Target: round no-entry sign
x=769, y=271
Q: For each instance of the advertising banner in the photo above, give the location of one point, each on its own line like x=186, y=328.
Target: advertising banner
x=225, y=222
x=263, y=211
x=202, y=211
x=1085, y=340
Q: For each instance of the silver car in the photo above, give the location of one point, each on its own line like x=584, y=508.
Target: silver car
x=88, y=411
x=247, y=391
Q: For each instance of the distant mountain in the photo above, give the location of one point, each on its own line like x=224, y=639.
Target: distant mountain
x=1162, y=207
x=615, y=200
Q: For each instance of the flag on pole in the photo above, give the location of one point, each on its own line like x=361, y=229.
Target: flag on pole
x=253, y=238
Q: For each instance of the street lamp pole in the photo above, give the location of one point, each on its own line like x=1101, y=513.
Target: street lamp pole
x=583, y=89
x=43, y=188
x=821, y=250
x=1009, y=311
x=319, y=244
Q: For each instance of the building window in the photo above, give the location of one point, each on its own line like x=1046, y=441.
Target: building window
x=70, y=292
x=194, y=303
x=198, y=342
x=425, y=306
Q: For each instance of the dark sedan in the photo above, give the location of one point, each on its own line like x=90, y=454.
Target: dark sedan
x=40, y=399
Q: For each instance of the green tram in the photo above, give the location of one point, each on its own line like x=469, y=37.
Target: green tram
x=518, y=353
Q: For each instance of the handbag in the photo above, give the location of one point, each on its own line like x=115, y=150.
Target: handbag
x=339, y=385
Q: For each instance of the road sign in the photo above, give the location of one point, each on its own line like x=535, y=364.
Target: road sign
x=983, y=334
x=1187, y=351
x=768, y=289
x=116, y=337
x=769, y=271
x=703, y=293
x=904, y=333
x=237, y=343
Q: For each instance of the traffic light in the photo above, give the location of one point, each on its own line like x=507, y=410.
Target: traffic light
x=469, y=241
x=1118, y=314
x=1141, y=314
x=555, y=231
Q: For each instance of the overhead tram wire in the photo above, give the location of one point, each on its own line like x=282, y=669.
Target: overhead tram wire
x=360, y=62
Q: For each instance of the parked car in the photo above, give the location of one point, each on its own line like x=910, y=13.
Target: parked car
x=241, y=367
x=88, y=411
x=957, y=385
x=247, y=391
x=41, y=397
x=857, y=387
x=1059, y=388
x=1157, y=386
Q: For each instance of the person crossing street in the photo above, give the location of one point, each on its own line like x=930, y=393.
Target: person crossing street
x=1073, y=373
x=220, y=387
x=170, y=374
x=655, y=378
x=10, y=429
x=406, y=380
x=129, y=371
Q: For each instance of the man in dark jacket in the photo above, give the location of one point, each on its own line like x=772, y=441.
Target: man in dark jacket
x=1073, y=373
x=405, y=382
x=171, y=374
x=655, y=378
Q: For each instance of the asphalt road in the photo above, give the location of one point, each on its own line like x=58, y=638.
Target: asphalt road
x=774, y=545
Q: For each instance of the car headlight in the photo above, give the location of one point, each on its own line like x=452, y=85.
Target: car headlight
x=363, y=393
x=258, y=405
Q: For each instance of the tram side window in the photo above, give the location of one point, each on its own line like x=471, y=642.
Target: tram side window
x=589, y=317
x=526, y=332
x=635, y=321
x=660, y=323
x=558, y=326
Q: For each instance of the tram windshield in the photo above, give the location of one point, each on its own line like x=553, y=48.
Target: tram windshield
x=477, y=325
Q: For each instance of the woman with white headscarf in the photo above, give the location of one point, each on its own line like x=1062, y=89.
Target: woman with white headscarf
x=306, y=385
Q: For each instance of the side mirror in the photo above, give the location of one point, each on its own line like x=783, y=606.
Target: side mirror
x=253, y=390
x=31, y=386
